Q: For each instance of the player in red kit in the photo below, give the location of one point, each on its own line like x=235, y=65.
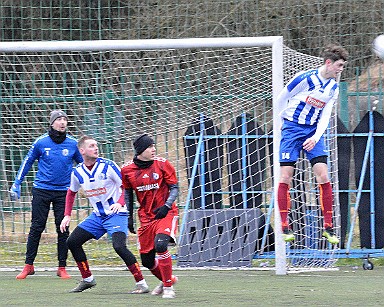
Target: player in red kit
x=154, y=181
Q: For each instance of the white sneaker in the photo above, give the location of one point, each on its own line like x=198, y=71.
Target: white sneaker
x=160, y=288
x=168, y=292
x=141, y=288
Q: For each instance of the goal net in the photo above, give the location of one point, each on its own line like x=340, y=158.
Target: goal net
x=209, y=105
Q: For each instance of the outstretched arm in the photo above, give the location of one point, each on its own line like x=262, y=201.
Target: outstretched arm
x=25, y=166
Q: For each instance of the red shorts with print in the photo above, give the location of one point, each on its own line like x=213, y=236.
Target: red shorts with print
x=147, y=233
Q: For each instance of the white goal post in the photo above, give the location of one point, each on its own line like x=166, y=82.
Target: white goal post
x=148, y=44
x=210, y=104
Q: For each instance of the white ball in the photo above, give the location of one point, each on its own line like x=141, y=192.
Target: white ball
x=378, y=46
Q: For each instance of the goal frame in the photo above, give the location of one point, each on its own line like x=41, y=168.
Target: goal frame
x=275, y=42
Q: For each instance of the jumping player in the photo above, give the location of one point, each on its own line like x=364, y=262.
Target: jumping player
x=309, y=97
x=101, y=181
x=154, y=181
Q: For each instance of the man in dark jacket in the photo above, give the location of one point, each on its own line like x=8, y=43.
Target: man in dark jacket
x=56, y=153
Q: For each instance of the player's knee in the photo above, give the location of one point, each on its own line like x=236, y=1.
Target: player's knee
x=119, y=242
x=286, y=172
x=320, y=169
x=119, y=247
x=161, y=247
x=161, y=243
x=320, y=179
x=64, y=234
x=72, y=243
x=77, y=238
x=36, y=229
x=285, y=179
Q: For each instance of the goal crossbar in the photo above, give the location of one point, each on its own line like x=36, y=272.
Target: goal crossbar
x=149, y=44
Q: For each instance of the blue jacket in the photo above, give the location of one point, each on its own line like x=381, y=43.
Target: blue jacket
x=55, y=163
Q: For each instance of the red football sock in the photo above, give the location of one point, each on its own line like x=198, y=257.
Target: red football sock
x=165, y=265
x=84, y=269
x=156, y=270
x=284, y=202
x=326, y=203
x=136, y=272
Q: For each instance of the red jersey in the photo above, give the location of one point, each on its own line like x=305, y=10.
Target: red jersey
x=150, y=185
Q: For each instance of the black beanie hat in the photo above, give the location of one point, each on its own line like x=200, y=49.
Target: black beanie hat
x=142, y=143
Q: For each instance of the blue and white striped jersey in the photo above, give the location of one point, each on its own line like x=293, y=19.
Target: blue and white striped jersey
x=309, y=99
x=307, y=95
x=101, y=185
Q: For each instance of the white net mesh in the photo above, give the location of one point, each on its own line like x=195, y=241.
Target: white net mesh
x=178, y=96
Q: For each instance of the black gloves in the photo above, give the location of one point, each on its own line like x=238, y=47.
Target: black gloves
x=130, y=225
x=161, y=212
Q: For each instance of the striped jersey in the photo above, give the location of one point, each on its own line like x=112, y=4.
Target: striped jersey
x=101, y=185
x=151, y=186
x=307, y=96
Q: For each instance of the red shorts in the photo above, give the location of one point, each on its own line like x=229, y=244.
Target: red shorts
x=147, y=233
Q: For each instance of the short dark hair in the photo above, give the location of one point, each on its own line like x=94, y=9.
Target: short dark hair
x=334, y=52
x=82, y=140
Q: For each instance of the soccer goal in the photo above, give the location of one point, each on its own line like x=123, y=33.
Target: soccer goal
x=208, y=102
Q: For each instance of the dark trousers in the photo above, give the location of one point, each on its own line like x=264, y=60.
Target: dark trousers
x=41, y=203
